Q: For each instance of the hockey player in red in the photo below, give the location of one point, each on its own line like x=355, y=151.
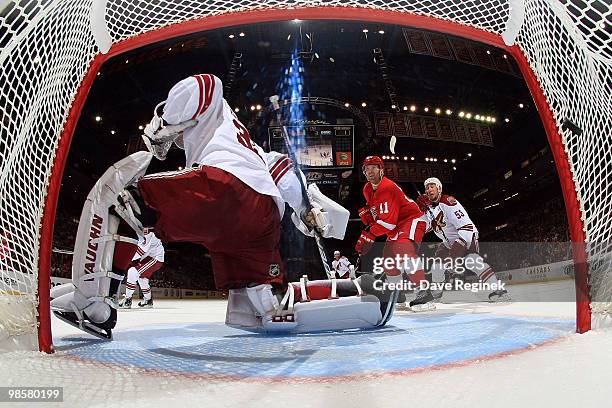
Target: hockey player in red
x=388, y=211
x=451, y=223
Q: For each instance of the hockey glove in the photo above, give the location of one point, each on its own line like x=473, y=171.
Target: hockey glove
x=366, y=216
x=423, y=202
x=365, y=242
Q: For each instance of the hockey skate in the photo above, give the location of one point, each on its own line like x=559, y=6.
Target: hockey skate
x=126, y=303
x=499, y=296
x=423, y=302
x=146, y=304
x=81, y=320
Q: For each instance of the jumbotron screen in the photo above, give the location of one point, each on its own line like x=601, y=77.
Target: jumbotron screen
x=323, y=146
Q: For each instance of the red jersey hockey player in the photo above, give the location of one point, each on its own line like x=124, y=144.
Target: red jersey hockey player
x=452, y=224
x=389, y=212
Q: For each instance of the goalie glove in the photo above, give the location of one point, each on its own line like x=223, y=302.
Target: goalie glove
x=366, y=216
x=158, y=137
x=365, y=242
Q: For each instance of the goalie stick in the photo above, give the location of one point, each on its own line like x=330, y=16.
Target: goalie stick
x=318, y=238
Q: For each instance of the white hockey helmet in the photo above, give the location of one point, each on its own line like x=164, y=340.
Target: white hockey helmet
x=433, y=180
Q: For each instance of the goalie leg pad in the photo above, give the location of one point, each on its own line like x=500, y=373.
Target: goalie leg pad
x=95, y=276
x=304, y=310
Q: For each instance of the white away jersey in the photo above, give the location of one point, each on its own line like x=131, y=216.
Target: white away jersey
x=219, y=139
x=450, y=221
x=150, y=246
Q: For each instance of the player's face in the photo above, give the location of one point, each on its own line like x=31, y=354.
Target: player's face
x=373, y=173
x=433, y=192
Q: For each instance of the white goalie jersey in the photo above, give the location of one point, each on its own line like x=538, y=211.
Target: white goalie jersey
x=451, y=222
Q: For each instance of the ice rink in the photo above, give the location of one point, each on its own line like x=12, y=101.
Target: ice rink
x=461, y=355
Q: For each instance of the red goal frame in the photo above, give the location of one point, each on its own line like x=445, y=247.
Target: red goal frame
x=577, y=234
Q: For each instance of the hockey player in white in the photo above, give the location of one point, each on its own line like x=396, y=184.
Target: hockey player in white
x=452, y=224
x=148, y=259
x=230, y=198
x=341, y=266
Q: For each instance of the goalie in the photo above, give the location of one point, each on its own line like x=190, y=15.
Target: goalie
x=230, y=198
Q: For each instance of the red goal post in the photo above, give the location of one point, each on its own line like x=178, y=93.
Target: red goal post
x=62, y=45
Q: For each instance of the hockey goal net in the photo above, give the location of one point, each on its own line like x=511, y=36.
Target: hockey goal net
x=51, y=50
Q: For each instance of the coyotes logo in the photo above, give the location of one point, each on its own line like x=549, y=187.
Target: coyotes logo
x=438, y=222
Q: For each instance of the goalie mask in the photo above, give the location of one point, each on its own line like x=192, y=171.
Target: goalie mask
x=159, y=135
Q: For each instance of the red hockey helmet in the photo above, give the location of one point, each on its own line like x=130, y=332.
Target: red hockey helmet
x=375, y=160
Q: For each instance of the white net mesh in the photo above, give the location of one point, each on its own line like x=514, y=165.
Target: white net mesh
x=46, y=48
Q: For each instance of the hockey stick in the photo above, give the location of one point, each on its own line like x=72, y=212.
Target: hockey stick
x=291, y=154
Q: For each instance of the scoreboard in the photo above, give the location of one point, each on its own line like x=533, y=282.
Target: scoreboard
x=317, y=146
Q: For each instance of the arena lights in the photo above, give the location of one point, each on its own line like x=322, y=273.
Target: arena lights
x=477, y=117
x=140, y=127
x=426, y=109
x=231, y=36
x=236, y=109
x=454, y=168
x=98, y=118
x=405, y=157
x=393, y=106
x=297, y=20
x=252, y=107
x=363, y=104
x=170, y=49
x=437, y=111
x=365, y=30
x=468, y=115
x=413, y=108
x=493, y=120
x=113, y=132
x=469, y=154
x=461, y=114
x=346, y=105
x=412, y=158
x=241, y=34
x=448, y=111
x=453, y=161
x=445, y=160
x=381, y=31
x=488, y=52
x=507, y=120
x=427, y=159
x=405, y=108
x=520, y=105
x=258, y=107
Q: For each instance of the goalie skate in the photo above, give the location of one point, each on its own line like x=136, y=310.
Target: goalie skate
x=101, y=331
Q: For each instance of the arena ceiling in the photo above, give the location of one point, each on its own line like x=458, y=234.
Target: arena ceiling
x=339, y=63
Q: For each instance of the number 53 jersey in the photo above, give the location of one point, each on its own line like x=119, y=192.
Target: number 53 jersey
x=450, y=222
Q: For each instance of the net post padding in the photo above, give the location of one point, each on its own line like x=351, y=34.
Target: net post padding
x=314, y=13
